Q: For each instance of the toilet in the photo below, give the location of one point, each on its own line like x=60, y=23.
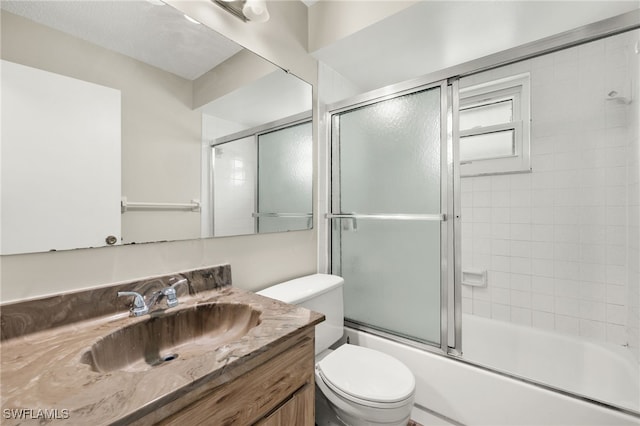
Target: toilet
x=354, y=385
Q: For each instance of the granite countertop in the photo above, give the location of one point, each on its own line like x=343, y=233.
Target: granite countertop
x=45, y=370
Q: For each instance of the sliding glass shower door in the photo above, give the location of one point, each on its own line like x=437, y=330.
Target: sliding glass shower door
x=285, y=166
x=388, y=232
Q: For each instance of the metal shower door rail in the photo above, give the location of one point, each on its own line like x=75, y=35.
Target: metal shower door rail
x=388, y=216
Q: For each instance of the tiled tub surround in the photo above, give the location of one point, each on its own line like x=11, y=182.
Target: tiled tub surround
x=42, y=367
x=560, y=244
x=633, y=213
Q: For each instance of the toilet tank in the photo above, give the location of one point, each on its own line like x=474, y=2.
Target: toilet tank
x=321, y=293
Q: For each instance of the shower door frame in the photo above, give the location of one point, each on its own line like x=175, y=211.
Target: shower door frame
x=450, y=307
x=608, y=27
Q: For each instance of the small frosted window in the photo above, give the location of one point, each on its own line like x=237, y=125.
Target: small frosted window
x=486, y=115
x=494, y=126
x=487, y=146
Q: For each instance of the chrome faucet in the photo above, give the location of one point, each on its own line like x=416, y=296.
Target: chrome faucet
x=141, y=307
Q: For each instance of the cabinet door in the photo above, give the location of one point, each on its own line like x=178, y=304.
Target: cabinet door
x=250, y=397
x=299, y=410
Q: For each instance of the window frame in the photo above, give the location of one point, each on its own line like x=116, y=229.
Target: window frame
x=517, y=89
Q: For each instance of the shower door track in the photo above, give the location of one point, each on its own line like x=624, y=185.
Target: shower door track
x=403, y=339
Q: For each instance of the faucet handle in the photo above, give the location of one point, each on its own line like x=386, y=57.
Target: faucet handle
x=170, y=292
x=139, y=306
x=178, y=282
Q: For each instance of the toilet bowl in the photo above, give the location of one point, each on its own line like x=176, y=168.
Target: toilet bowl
x=364, y=387
x=354, y=385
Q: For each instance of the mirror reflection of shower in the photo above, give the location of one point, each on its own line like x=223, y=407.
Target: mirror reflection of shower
x=272, y=100
x=262, y=182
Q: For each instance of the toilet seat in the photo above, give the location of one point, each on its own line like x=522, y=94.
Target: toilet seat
x=367, y=377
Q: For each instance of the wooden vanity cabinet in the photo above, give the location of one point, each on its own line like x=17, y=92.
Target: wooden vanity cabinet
x=295, y=411
x=279, y=391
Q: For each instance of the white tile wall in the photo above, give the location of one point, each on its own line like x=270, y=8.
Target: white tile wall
x=234, y=195
x=561, y=243
x=633, y=207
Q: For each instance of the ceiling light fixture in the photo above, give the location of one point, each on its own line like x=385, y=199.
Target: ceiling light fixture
x=247, y=10
x=256, y=10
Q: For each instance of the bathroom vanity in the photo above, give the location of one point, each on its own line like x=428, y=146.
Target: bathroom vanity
x=222, y=356
x=277, y=392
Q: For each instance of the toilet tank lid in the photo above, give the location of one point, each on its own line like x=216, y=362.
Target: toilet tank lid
x=298, y=290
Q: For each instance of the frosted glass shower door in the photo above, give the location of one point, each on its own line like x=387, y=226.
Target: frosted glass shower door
x=285, y=174
x=387, y=215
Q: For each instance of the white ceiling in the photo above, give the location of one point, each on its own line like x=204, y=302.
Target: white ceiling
x=433, y=35
x=159, y=35
x=149, y=31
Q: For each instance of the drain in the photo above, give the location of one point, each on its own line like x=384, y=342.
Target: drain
x=169, y=357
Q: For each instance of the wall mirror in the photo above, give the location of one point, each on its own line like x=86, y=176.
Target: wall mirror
x=120, y=122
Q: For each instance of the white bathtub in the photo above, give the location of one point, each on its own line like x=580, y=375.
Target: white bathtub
x=462, y=393
x=604, y=372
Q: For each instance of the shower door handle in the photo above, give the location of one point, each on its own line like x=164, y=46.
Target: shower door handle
x=309, y=216
x=345, y=227
x=417, y=217
x=354, y=218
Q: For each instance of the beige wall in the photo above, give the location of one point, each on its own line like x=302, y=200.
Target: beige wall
x=330, y=21
x=257, y=260
x=242, y=68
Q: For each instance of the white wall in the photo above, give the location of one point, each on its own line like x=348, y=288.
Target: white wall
x=213, y=128
x=431, y=35
x=234, y=177
x=60, y=161
x=330, y=21
x=556, y=241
